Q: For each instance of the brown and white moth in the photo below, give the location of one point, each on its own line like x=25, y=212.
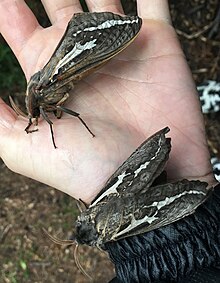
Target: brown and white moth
x=136, y=199
x=90, y=40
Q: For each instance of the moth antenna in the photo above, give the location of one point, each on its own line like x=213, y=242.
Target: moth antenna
x=58, y=241
x=81, y=205
x=78, y=264
x=16, y=108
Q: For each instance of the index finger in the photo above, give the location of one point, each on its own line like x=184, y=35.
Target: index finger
x=17, y=23
x=59, y=9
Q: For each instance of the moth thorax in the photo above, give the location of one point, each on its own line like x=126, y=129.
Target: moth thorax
x=31, y=99
x=86, y=233
x=32, y=105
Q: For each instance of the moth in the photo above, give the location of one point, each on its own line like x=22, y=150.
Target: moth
x=137, y=198
x=90, y=40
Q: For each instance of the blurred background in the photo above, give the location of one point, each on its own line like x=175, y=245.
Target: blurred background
x=26, y=254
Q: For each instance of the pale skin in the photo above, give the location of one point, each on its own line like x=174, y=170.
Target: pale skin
x=145, y=88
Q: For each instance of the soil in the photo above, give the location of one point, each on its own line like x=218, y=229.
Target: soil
x=26, y=206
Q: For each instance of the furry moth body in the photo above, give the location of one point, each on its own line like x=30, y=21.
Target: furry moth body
x=135, y=200
x=90, y=40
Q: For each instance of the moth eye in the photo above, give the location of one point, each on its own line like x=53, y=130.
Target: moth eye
x=86, y=233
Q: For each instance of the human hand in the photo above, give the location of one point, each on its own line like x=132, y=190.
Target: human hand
x=145, y=88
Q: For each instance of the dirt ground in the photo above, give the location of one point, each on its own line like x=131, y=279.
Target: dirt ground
x=26, y=254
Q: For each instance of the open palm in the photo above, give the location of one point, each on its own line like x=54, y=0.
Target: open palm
x=145, y=88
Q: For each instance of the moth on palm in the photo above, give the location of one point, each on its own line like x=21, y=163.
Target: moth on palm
x=90, y=40
x=137, y=198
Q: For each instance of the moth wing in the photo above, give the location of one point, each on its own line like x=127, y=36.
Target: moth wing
x=90, y=40
x=164, y=204
x=140, y=169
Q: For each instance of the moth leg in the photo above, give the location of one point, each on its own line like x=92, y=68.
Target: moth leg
x=61, y=102
x=75, y=114
x=21, y=113
x=29, y=125
x=81, y=205
x=46, y=118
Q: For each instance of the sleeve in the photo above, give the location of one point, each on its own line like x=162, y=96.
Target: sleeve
x=185, y=251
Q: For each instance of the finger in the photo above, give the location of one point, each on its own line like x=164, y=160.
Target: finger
x=17, y=23
x=155, y=10
x=7, y=118
x=60, y=9
x=105, y=5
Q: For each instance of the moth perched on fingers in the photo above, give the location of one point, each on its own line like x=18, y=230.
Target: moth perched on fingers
x=90, y=40
x=136, y=199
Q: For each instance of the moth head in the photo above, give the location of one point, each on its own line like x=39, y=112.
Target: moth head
x=85, y=231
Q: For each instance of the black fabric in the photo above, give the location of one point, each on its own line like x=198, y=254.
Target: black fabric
x=174, y=252
x=115, y=280
x=205, y=275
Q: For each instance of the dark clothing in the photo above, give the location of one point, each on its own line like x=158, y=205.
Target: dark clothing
x=185, y=251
